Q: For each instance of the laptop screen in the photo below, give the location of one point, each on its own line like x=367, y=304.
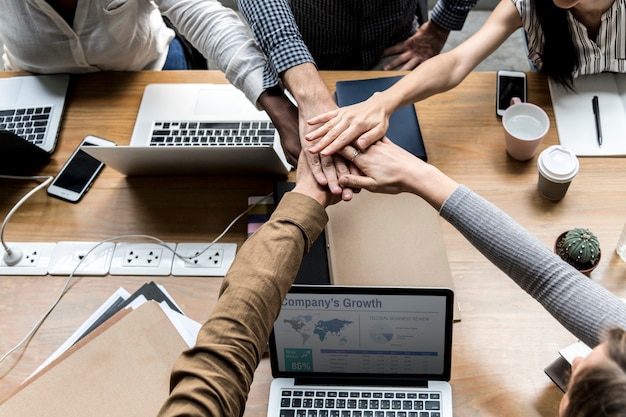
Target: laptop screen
x=379, y=333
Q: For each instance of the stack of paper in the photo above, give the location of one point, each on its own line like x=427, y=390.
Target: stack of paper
x=120, y=367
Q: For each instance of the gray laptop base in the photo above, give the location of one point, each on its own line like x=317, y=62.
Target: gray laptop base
x=32, y=106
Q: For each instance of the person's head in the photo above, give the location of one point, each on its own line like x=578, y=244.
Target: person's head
x=597, y=386
x=559, y=55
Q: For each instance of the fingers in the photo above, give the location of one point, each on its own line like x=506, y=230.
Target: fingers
x=332, y=135
x=330, y=168
x=315, y=163
x=352, y=181
x=322, y=118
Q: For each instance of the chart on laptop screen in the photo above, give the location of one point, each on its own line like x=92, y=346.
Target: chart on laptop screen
x=354, y=333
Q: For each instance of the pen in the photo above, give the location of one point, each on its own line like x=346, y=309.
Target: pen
x=596, y=114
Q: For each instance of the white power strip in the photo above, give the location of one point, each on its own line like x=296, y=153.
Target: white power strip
x=124, y=258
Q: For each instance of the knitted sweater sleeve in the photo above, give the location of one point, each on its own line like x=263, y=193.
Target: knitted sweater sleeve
x=581, y=305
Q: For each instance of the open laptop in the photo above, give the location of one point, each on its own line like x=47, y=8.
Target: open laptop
x=31, y=108
x=347, y=348
x=192, y=129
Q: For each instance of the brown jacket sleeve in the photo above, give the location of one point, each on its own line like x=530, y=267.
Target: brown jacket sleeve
x=213, y=378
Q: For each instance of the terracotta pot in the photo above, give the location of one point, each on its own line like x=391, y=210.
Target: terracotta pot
x=584, y=268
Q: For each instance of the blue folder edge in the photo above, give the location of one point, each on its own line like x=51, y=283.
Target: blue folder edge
x=404, y=129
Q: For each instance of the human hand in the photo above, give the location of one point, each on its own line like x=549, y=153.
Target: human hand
x=307, y=184
x=425, y=43
x=313, y=98
x=362, y=124
x=389, y=169
x=284, y=115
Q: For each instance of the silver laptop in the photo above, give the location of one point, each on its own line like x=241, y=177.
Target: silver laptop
x=191, y=129
x=378, y=350
x=31, y=107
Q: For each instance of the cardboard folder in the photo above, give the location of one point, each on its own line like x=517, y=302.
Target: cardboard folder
x=379, y=239
x=121, y=369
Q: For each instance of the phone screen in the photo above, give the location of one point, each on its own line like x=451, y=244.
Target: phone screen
x=79, y=172
x=510, y=87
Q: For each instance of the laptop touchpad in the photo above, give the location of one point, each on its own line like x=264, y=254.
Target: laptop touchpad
x=10, y=91
x=212, y=102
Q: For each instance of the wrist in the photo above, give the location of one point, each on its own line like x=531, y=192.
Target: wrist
x=431, y=184
x=438, y=29
x=306, y=85
x=313, y=192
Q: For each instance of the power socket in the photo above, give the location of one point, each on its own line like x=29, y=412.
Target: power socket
x=92, y=258
x=142, y=259
x=202, y=262
x=35, y=259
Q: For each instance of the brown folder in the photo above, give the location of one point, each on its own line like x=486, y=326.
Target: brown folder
x=121, y=369
x=393, y=240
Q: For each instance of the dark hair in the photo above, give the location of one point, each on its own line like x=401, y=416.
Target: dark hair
x=600, y=391
x=559, y=54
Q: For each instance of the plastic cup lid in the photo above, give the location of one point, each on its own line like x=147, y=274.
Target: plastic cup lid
x=558, y=164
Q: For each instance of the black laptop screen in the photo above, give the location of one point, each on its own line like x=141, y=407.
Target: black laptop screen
x=363, y=331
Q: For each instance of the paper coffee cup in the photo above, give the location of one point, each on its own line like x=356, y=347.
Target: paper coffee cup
x=557, y=167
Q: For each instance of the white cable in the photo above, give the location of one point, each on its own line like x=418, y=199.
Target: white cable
x=34, y=329
x=47, y=181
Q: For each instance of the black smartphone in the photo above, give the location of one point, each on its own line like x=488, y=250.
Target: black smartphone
x=79, y=172
x=509, y=84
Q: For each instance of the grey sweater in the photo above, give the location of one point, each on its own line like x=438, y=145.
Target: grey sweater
x=584, y=307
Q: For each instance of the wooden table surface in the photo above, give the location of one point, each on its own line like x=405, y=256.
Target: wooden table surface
x=505, y=338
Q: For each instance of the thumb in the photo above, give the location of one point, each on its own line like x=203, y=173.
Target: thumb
x=357, y=181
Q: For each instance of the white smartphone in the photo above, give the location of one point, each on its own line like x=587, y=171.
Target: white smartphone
x=79, y=172
x=509, y=84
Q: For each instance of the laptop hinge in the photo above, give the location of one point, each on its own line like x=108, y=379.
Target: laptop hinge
x=362, y=382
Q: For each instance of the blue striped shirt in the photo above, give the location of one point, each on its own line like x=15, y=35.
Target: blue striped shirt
x=338, y=35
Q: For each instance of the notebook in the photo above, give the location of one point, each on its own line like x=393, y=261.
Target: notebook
x=31, y=108
x=404, y=129
x=314, y=266
x=192, y=129
x=383, y=239
x=388, y=348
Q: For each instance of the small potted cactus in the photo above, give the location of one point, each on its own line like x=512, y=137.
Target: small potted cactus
x=580, y=248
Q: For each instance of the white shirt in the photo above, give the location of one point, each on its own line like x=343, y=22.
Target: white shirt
x=607, y=53
x=127, y=35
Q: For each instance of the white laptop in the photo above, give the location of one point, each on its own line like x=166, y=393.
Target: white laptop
x=339, y=349
x=192, y=129
x=31, y=107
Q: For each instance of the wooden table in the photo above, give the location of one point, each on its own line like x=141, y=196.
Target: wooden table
x=505, y=338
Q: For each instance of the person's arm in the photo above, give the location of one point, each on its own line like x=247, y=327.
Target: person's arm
x=429, y=39
x=451, y=14
x=582, y=306
x=213, y=378
x=367, y=122
x=289, y=60
x=223, y=38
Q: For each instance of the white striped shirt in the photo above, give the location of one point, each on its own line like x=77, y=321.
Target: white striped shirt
x=607, y=53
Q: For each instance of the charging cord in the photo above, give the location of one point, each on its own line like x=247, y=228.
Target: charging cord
x=65, y=288
x=13, y=255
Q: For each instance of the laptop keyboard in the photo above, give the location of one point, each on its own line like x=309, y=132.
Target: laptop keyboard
x=336, y=403
x=247, y=133
x=28, y=123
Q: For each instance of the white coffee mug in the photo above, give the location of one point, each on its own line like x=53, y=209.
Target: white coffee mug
x=525, y=126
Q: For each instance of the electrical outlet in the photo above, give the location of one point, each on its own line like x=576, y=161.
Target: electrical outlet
x=92, y=258
x=35, y=259
x=142, y=259
x=198, y=261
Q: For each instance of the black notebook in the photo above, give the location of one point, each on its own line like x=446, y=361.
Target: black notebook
x=314, y=266
x=404, y=129
x=20, y=157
